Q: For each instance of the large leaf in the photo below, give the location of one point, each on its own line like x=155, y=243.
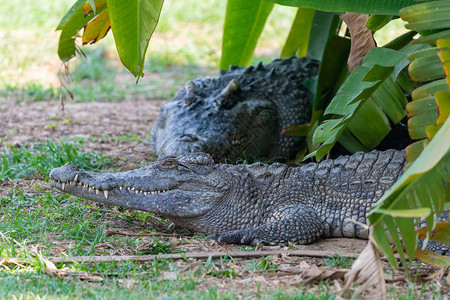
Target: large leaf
x=376, y=7
x=432, y=258
x=297, y=40
x=324, y=26
x=325, y=46
x=97, y=28
x=378, y=65
x=444, y=55
x=391, y=100
x=431, y=39
x=332, y=73
x=132, y=24
x=376, y=22
x=244, y=22
x=93, y=5
x=429, y=89
x=370, y=133
x=425, y=65
x=427, y=16
x=421, y=186
x=73, y=22
x=70, y=13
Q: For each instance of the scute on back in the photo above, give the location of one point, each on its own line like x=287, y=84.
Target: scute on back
x=239, y=114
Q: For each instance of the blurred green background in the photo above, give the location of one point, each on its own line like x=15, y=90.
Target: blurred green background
x=185, y=45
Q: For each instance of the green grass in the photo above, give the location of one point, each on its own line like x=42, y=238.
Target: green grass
x=37, y=223
x=337, y=261
x=19, y=162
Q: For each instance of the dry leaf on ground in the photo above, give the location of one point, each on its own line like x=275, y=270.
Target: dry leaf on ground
x=367, y=272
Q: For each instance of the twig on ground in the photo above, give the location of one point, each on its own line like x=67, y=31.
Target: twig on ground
x=198, y=255
x=114, y=232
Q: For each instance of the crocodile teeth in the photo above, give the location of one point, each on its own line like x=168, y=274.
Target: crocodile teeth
x=89, y=188
x=105, y=193
x=75, y=179
x=145, y=193
x=120, y=188
x=136, y=192
x=129, y=188
x=63, y=186
x=96, y=191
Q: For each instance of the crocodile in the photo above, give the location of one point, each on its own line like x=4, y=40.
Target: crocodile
x=240, y=113
x=248, y=204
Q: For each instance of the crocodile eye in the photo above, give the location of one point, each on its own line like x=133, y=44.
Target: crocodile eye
x=167, y=163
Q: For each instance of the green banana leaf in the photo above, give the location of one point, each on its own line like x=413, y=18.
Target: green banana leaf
x=376, y=22
x=427, y=16
x=244, y=22
x=379, y=64
x=297, y=41
x=70, y=24
x=417, y=193
x=375, y=7
x=70, y=13
x=132, y=24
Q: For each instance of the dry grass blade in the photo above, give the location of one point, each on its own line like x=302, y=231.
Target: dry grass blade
x=362, y=39
x=13, y=261
x=367, y=271
x=52, y=270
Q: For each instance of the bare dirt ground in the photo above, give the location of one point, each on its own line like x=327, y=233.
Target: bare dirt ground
x=99, y=123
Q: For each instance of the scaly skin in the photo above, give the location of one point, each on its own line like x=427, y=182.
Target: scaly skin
x=248, y=203
x=239, y=114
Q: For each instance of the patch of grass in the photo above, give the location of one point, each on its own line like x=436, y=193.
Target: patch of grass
x=36, y=224
x=32, y=284
x=222, y=268
x=29, y=93
x=337, y=261
x=93, y=77
x=37, y=160
x=262, y=264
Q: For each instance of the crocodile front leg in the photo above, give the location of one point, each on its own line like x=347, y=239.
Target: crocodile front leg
x=294, y=223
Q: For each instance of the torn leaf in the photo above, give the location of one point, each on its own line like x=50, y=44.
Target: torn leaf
x=97, y=28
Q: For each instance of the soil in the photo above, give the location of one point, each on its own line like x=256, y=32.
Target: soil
x=102, y=125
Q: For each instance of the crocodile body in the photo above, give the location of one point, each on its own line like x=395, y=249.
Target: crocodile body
x=239, y=114
x=248, y=203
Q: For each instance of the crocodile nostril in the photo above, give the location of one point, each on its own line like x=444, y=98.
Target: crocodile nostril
x=188, y=138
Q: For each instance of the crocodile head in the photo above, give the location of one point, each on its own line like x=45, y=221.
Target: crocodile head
x=227, y=123
x=183, y=187
x=240, y=113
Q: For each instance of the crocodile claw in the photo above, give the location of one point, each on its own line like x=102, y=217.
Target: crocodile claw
x=243, y=237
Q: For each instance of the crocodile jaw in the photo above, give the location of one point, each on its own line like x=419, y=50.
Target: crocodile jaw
x=162, y=194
